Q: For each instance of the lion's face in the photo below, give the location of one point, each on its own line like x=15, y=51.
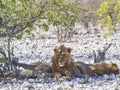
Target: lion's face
x=63, y=55
x=62, y=60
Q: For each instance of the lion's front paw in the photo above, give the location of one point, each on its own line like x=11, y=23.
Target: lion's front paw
x=57, y=75
x=68, y=78
x=68, y=75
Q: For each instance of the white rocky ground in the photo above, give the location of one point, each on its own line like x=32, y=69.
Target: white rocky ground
x=42, y=49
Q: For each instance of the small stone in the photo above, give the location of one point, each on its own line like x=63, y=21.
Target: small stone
x=60, y=88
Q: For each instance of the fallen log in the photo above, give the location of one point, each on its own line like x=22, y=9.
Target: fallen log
x=34, y=70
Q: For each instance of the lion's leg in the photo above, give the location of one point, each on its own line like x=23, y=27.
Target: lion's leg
x=75, y=71
x=57, y=75
x=68, y=75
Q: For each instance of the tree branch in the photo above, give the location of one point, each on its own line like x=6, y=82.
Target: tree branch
x=94, y=55
x=31, y=20
x=15, y=30
x=106, y=48
x=3, y=53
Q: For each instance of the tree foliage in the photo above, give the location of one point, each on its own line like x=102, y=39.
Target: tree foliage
x=109, y=12
x=21, y=15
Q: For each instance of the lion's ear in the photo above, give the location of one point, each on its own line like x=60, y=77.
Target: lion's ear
x=69, y=50
x=56, y=50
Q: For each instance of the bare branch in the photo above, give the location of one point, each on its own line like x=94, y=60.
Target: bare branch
x=100, y=54
x=106, y=48
x=94, y=55
x=3, y=53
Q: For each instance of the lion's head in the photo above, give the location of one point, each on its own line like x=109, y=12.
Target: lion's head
x=63, y=55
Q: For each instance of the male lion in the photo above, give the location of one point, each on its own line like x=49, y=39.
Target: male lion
x=62, y=62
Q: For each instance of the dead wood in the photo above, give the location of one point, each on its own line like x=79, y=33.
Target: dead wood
x=99, y=55
x=35, y=70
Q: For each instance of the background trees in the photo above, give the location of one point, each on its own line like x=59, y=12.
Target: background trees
x=109, y=13
x=104, y=13
x=20, y=15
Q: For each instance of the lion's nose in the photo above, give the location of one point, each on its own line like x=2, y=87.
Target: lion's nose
x=60, y=56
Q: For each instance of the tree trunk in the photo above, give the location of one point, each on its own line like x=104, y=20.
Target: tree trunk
x=9, y=50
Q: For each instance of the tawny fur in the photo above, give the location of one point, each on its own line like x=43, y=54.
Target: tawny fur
x=104, y=68
x=62, y=55
x=83, y=68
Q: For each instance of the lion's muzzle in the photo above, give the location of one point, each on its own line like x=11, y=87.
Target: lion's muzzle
x=61, y=64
